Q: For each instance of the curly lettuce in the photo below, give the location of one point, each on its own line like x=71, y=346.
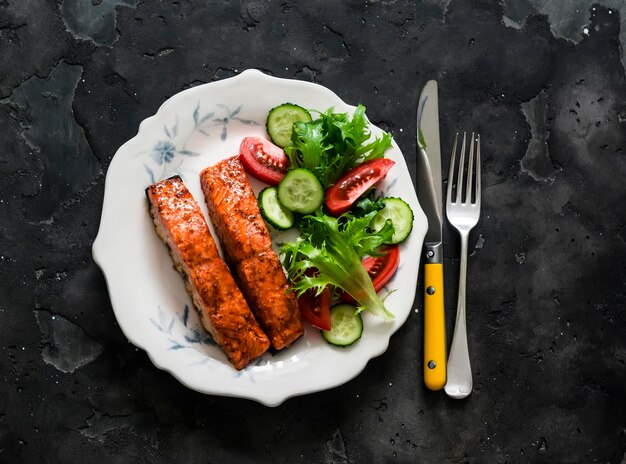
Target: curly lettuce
x=334, y=247
x=334, y=143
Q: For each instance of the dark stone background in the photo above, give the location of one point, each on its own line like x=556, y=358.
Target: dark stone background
x=544, y=84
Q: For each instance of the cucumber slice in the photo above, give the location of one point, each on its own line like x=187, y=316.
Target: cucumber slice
x=401, y=216
x=346, y=326
x=300, y=191
x=273, y=211
x=280, y=122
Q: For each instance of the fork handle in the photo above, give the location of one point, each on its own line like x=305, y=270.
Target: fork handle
x=434, y=328
x=459, y=368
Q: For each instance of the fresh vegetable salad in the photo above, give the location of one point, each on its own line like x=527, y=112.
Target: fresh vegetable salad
x=323, y=173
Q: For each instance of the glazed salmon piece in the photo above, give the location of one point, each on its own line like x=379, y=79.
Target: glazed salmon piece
x=263, y=283
x=223, y=310
x=248, y=250
x=234, y=211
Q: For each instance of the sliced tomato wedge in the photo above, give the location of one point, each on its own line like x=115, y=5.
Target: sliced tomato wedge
x=263, y=160
x=341, y=196
x=380, y=269
x=315, y=309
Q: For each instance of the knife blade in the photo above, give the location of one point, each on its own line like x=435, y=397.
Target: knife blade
x=429, y=192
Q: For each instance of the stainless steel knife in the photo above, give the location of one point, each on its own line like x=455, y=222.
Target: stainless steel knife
x=429, y=192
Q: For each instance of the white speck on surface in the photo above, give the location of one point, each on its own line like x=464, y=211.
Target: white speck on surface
x=585, y=30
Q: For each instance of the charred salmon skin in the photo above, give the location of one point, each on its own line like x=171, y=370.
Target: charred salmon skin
x=223, y=310
x=247, y=248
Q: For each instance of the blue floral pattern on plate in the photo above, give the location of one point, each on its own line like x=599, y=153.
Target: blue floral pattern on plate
x=169, y=157
x=191, y=337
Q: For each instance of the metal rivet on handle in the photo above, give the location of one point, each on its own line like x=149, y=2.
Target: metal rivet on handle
x=432, y=364
x=430, y=254
x=430, y=290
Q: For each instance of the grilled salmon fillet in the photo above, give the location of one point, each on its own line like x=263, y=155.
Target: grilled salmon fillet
x=248, y=250
x=223, y=310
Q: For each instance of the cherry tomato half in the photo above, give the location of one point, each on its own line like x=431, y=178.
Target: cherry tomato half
x=380, y=269
x=315, y=309
x=354, y=183
x=263, y=160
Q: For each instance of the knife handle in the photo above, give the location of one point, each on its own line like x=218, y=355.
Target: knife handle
x=434, y=328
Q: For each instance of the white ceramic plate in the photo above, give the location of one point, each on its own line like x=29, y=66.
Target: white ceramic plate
x=194, y=129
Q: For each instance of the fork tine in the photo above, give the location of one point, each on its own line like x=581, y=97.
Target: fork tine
x=470, y=169
x=459, y=181
x=451, y=173
x=477, y=195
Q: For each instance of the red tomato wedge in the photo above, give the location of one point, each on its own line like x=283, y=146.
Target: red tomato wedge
x=380, y=269
x=315, y=309
x=263, y=160
x=341, y=196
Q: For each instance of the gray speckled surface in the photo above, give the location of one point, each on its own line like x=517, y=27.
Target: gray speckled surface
x=545, y=87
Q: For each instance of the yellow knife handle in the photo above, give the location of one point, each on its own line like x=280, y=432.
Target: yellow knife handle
x=434, y=328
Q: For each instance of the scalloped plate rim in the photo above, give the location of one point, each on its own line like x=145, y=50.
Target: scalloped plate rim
x=271, y=398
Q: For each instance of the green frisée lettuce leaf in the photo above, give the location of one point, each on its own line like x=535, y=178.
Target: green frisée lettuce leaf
x=369, y=202
x=334, y=247
x=333, y=144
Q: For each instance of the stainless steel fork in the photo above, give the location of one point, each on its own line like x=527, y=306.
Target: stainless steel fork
x=463, y=211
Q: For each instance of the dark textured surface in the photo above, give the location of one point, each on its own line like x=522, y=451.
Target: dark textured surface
x=547, y=271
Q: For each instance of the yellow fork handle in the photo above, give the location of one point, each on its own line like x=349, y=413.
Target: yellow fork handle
x=434, y=328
